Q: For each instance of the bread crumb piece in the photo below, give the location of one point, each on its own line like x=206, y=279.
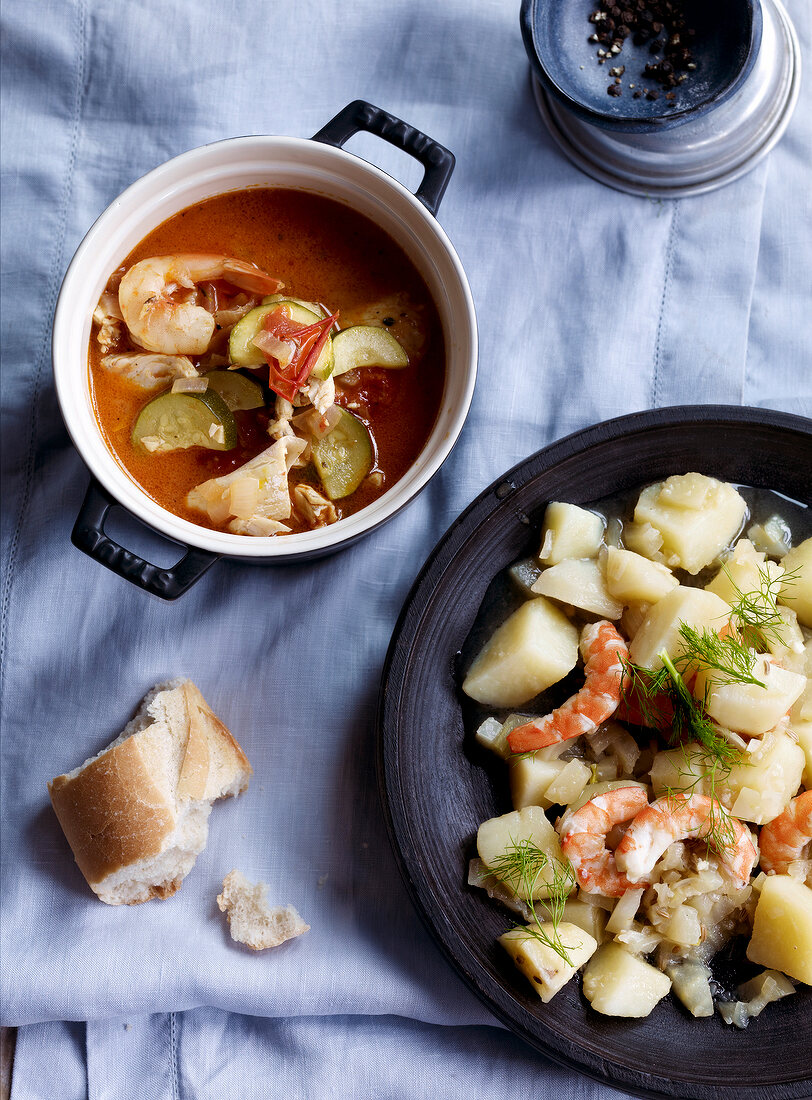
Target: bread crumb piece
x=251, y=920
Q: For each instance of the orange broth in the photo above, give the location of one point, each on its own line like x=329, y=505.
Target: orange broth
x=324, y=252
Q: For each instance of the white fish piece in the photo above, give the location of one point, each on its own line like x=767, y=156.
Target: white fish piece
x=320, y=393
x=312, y=506
x=150, y=370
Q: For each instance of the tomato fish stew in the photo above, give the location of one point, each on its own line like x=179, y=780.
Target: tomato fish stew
x=662, y=796
x=266, y=361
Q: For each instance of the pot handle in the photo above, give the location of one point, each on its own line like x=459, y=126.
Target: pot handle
x=89, y=537
x=435, y=158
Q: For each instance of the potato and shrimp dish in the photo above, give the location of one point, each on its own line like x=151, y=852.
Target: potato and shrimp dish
x=266, y=361
x=663, y=809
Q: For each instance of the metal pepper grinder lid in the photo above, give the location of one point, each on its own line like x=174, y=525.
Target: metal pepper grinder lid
x=663, y=98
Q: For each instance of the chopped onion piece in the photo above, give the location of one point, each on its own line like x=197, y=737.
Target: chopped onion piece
x=800, y=869
x=624, y=912
x=282, y=350
x=690, y=981
x=640, y=939
x=769, y=986
x=190, y=385
x=479, y=875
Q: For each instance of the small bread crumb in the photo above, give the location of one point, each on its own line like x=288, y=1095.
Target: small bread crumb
x=251, y=920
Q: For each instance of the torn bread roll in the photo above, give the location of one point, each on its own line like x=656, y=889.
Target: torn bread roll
x=136, y=815
x=251, y=920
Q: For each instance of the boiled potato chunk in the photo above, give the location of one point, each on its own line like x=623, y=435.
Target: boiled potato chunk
x=797, y=592
x=782, y=928
x=756, y=790
x=764, y=785
x=501, y=837
x=679, y=769
x=535, y=647
x=540, y=963
x=589, y=917
x=744, y=571
x=530, y=778
x=580, y=583
x=632, y=578
x=750, y=708
x=617, y=983
x=569, y=532
x=660, y=628
x=697, y=517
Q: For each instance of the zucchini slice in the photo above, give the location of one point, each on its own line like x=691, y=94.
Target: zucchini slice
x=343, y=458
x=174, y=421
x=236, y=390
x=366, y=346
x=243, y=353
x=312, y=307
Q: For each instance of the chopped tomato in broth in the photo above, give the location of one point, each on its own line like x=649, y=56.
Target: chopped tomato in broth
x=324, y=252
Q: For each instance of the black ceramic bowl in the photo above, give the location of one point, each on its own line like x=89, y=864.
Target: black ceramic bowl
x=556, y=32
x=437, y=787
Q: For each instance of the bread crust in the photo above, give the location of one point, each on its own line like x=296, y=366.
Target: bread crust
x=122, y=807
x=112, y=812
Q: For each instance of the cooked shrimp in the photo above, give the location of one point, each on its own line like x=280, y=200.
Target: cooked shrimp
x=682, y=817
x=603, y=651
x=583, y=839
x=159, y=323
x=783, y=839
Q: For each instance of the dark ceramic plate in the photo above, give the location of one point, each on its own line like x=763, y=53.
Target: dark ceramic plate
x=437, y=787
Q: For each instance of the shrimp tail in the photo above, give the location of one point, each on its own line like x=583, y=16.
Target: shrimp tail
x=603, y=650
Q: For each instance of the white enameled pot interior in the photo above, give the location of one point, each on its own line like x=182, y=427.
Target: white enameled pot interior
x=261, y=162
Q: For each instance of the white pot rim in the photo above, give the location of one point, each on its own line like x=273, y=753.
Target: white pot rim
x=171, y=186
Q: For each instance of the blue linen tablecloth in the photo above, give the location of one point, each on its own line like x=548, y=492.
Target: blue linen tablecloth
x=591, y=304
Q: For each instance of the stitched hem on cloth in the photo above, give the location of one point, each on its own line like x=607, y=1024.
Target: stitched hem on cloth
x=44, y=342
